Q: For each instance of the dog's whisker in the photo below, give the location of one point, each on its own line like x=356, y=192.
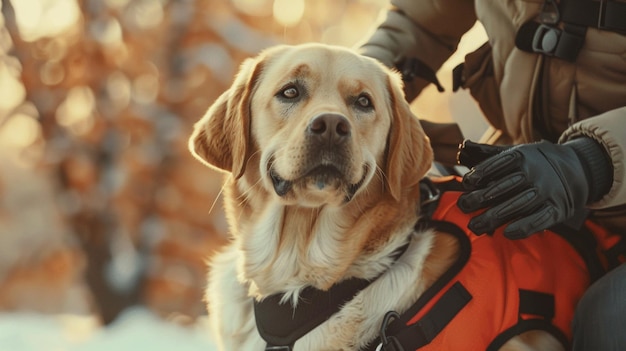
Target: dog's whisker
x=244, y=196
x=251, y=156
x=219, y=195
x=380, y=173
x=250, y=189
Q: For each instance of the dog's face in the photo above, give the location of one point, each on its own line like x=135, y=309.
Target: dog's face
x=321, y=124
x=314, y=125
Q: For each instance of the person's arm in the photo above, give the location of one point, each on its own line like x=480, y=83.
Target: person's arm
x=427, y=31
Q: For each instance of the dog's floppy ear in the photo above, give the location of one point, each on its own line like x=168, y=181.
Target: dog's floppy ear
x=409, y=154
x=221, y=139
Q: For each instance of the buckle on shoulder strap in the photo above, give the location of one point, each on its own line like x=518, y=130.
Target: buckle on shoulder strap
x=388, y=342
x=546, y=39
x=551, y=41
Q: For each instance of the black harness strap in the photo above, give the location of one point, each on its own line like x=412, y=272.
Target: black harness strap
x=280, y=324
x=604, y=14
x=544, y=36
x=421, y=333
x=412, y=68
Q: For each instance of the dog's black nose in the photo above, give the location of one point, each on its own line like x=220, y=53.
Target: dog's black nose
x=330, y=127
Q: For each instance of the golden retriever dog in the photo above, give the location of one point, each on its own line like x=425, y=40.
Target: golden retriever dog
x=323, y=160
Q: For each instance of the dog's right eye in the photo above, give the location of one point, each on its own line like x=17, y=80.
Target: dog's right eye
x=289, y=92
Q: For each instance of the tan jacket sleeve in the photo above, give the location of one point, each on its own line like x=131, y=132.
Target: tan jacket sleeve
x=609, y=129
x=428, y=30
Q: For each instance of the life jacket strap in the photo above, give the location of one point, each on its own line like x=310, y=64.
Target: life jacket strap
x=536, y=304
x=397, y=336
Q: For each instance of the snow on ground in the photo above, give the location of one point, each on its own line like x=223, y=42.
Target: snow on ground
x=135, y=330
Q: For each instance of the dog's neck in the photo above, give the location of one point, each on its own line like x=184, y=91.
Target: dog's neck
x=287, y=248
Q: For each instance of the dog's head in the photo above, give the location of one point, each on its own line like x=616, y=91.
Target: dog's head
x=314, y=125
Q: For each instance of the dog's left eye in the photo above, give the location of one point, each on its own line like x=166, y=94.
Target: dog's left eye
x=364, y=102
x=290, y=92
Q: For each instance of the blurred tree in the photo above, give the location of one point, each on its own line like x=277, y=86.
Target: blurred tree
x=115, y=92
x=116, y=136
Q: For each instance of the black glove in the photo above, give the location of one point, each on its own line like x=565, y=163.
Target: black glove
x=535, y=186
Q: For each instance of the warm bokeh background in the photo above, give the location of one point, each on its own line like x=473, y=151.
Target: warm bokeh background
x=101, y=205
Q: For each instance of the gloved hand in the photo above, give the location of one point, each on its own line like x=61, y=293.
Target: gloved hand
x=535, y=186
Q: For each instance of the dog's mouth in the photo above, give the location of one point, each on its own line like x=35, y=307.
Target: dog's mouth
x=281, y=186
x=320, y=177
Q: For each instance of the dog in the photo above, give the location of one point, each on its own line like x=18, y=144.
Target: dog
x=323, y=161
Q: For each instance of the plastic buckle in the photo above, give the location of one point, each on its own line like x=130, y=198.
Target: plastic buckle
x=546, y=39
x=388, y=343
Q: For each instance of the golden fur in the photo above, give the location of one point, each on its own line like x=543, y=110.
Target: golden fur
x=323, y=158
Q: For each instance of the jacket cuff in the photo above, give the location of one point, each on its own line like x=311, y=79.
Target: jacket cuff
x=596, y=164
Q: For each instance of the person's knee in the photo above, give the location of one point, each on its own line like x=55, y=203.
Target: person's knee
x=600, y=315
x=596, y=303
x=604, y=300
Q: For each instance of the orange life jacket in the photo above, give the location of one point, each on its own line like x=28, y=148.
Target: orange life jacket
x=498, y=287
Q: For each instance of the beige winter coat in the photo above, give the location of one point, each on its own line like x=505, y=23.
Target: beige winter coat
x=586, y=97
